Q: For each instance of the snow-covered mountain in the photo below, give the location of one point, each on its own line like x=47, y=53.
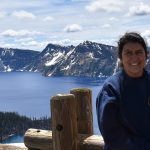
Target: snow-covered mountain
x=86, y=59
x=16, y=59
x=50, y=58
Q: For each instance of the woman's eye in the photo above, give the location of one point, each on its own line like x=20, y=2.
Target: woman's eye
x=139, y=53
x=128, y=53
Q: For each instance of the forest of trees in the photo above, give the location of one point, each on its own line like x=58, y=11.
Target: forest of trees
x=13, y=123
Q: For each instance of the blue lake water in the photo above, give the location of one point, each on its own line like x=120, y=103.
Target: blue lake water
x=30, y=93
x=14, y=139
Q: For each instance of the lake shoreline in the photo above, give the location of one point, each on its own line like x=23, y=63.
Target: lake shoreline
x=5, y=137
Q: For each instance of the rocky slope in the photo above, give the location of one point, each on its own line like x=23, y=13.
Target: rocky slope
x=16, y=59
x=86, y=59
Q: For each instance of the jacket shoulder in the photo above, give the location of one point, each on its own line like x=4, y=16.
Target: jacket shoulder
x=113, y=81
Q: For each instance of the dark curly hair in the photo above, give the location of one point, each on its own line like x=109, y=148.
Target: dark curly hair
x=133, y=37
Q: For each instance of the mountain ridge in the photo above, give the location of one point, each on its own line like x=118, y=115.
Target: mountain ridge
x=88, y=59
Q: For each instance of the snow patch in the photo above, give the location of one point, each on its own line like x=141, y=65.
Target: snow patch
x=66, y=68
x=73, y=61
x=10, y=52
x=99, y=47
x=47, y=54
x=70, y=52
x=55, y=59
x=100, y=52
x=91, y=55
x=8, y=69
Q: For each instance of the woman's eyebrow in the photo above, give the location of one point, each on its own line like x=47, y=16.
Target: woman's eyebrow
x=134, y=50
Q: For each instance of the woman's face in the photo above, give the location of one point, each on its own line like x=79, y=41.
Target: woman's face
x=133, y=59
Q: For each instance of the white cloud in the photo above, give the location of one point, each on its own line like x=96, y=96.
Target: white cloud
x=104, y=5
x=17, y=4
x=139, y=10
x=106, y=26
x=48, y=18
x=79, y=0
x=23, y=15
x=66, y=42
x=61, y=42
x=20, y=33
x=8, y=45
x=108, y=41
x=146, y=33
x=73, y=28
x=2, y=14
x=69, y=42
x=97, y=25
x=34, y=45
x=23, y=39
x=113, y=19
x=30, y=44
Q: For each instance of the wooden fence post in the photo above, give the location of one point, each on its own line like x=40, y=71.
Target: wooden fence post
x=84, y=110
x=64, y=122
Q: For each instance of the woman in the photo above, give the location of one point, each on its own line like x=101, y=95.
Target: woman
x=123, y=104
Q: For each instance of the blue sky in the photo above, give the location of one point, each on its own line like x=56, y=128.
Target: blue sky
x=32, y=24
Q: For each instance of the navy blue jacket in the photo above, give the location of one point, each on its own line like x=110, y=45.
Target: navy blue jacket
x=123, y=111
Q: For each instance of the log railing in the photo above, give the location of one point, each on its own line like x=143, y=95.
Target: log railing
x=72, y=125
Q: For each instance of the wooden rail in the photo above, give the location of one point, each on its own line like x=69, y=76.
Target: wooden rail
x=42, y=139
x=72, y=125
x=11, y=147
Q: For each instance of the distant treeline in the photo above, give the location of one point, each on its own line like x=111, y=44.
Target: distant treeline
x=13, y=123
